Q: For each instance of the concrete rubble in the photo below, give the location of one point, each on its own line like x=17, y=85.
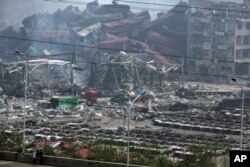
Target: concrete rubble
x=84, y=93
x=166, y=122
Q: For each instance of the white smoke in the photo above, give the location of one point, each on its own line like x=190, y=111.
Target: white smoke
x=12, y=12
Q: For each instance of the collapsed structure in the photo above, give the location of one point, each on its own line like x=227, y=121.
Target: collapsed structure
x=200, y=41
x=113, y=45
x=111, y=48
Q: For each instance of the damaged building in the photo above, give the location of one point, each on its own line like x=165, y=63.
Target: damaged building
x=182, y=40
x=105, y=38
x=45, y=77
x=218, y=39
x=86, y=66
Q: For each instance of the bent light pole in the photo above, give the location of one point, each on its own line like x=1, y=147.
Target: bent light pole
x=130, y=107
x=142, y=92
x=25, y=96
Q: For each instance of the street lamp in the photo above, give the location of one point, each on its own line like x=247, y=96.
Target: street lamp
x=25, y=95
x=242, y=113
x=141, y=92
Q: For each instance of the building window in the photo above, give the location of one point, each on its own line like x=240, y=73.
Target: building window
x=241, y=69
x=239, y=26
x=239, y=40
x=248, y=26
x=192, y=65
x=238, y=54
x=222, y=69
x=245, y=53
x=246, y=40
x=230, y=54
x=229, y=70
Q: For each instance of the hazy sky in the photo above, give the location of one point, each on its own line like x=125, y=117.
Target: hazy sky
x=12, y=12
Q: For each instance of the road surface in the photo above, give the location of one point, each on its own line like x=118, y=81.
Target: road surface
x=18, y=164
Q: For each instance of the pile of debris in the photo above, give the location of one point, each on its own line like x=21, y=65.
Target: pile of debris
x=93, y=39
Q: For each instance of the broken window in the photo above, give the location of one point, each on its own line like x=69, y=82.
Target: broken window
x=230, y=54
x=220, y=54
x=248, y=26
x=239, y=26
x=221, y=27
x=203, y=68
x=192, y=65
x=231, y=26
x=245, y=53
x=231, y=39
x=238, y=54
x=222, y=69
x=246, y=40
x=241, y=69
x=229, y=70
x=239, y=40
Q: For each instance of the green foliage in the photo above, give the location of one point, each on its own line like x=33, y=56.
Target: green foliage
x=163, y=162
x=48, y=150
x=102, y=152
x=10, y=141
x=205, y=159
x=196, y=149
x=74, y=154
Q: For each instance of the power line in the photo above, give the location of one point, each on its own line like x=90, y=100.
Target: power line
x=185, y=6
x=144, y=68
x=66, y=1
x=157, y=4
x=111, y=49
x=84, y=3
x=38, y=56
x=149, y=9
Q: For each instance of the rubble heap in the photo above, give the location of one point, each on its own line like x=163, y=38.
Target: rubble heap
x=97, y=35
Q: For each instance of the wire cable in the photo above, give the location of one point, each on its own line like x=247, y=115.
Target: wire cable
x=157, y=9
x=110, y=49
x=108, y=64
x=184, y=6
x=156, y=4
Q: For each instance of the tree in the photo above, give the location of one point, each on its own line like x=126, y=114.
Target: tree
x=206, y=159
x=48, y=150
x=202, y=157
x=10, y=141
x=163, y=162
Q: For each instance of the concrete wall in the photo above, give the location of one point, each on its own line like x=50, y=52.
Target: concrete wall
x=58, y=161
x=10, y=156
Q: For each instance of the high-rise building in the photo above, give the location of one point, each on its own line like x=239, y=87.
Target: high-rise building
x=218, y=38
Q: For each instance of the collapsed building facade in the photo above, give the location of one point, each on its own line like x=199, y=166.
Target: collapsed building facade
x=111, y=48
x=94, y=38
x=41, y=77
x=198, y=42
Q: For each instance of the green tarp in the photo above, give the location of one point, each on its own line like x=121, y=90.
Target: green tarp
x=68, y=101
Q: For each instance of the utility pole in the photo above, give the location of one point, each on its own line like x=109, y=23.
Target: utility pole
x=182, y=72
x=227, y=36
x=128, y=127
x=242, y=118
x=73, y=60
x=242, y=114
x=135, y=80
x=47, y=75
x=25, y=95
x=188, y=30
